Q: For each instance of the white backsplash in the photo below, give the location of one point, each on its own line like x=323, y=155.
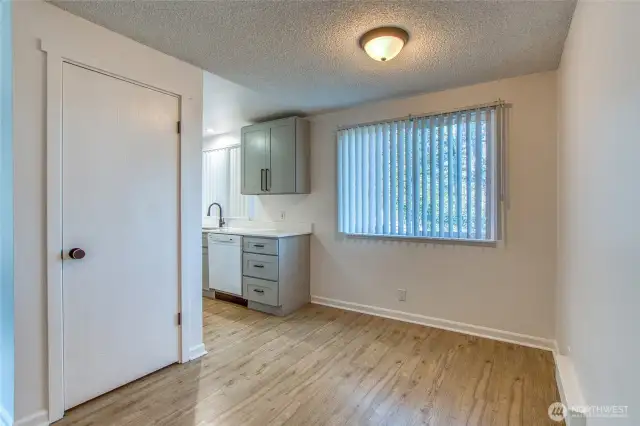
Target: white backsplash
x=212, y=222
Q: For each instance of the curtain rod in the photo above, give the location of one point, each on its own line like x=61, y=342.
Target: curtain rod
x=499, y=102
x=237, y=145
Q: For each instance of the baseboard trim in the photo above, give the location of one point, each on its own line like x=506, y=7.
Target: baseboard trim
x=569, y=389
x=5, y=418
x=474, y=330
x=197, y=351
x=40, y=418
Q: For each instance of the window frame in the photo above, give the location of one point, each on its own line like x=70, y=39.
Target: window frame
x=498, y=173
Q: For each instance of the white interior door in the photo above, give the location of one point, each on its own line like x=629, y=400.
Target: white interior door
x=121, y=206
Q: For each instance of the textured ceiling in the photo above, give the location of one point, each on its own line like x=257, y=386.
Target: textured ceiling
x=304, y=55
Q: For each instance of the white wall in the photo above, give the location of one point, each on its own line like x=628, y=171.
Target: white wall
x=221, y=115
x=228, y=106
x=509, y=288
x=6, y=218
x=34, y=20
x=599, y=201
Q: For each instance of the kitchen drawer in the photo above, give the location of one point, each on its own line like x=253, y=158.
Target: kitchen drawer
x=261, y=245
x=260, y=291
x=260, y=266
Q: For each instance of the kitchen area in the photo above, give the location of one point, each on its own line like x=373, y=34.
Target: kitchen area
x=263, y=265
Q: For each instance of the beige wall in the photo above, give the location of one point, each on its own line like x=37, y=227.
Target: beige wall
x=34, y=20
x=599, y=204
x=510, y=287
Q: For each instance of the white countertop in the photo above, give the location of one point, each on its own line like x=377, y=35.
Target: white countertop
x=249, y=232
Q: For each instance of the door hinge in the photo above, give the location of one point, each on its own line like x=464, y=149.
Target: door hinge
x=179, y=127
x=179, y=318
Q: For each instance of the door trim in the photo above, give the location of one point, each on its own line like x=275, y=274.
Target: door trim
x=56, y=55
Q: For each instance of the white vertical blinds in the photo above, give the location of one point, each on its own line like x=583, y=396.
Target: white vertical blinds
x=426, y=177
x=215, y=178
x=238, y=203
x=221, y=182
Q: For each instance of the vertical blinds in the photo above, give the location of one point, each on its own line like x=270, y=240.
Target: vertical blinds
x=221, y=182
x=431, y=177
x=215, y=178
x=238, y=205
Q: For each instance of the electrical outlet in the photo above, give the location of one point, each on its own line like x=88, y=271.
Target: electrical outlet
x=283, y=215
x=402, y=295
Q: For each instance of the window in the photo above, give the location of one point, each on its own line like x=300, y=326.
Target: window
x=434, y=176
x=221, y=182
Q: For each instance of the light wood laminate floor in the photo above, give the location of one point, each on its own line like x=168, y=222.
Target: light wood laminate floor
x=325, y=366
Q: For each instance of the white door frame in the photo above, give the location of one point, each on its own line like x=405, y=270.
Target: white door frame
x=56, y=55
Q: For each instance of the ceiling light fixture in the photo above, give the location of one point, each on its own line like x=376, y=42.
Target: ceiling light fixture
x=384, y=43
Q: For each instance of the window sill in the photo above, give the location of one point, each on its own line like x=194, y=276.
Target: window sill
x=426, y=240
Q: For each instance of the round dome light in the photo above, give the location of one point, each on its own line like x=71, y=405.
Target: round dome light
x=384, y=43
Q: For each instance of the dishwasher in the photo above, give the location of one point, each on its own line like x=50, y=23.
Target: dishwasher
x=225, y=263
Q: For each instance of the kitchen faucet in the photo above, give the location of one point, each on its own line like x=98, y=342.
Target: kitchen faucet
x=221, y=220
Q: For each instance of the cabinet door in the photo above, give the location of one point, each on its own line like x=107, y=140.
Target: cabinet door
x=282, y=158
x=205, y=269
x=254, y=155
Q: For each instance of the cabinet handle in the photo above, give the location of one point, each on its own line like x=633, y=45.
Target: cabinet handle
x=258, y=266
x=262, y=180
x=258, y=291
x=258, y=245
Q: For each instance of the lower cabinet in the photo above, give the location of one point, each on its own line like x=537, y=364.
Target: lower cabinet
x=261, y=291
x=276, y=283
x=261, y=266
x=205, y=262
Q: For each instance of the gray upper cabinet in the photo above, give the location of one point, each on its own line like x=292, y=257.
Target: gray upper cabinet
x=254, y=159
x=275, y=157
x=282, y=169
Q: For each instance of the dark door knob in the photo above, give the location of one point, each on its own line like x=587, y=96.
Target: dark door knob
x=76, y=253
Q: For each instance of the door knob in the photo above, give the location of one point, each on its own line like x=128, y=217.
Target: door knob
x=76, y=253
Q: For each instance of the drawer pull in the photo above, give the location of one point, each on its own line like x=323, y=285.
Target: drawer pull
x=258, y=245
x=258, y=290
x=258, y=266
